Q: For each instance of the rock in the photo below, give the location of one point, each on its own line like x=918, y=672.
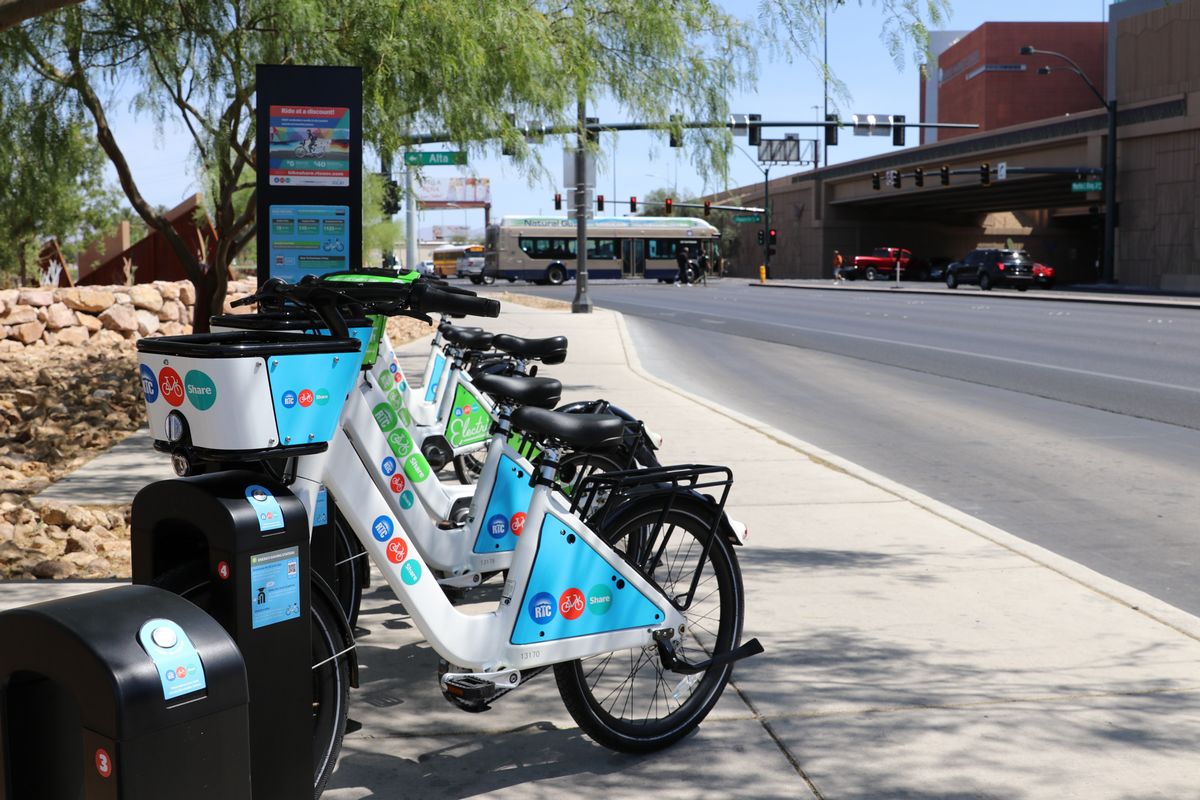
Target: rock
x=58, y=316
x=79, y=517
x=19, y=315
x=51, y=569
x=54, y=513
x=10, y=552
x=10, y=345
x=72, y=337
x=82, y=542
x=147, y=322
x=83, y=298
x=123, y=298
x=36, y=297
x=168, y=290
x=28, y=333
x=4, y=329
x=103, y=395
x=146, y=296
x=173, y=329
x=87, y=321
x=169, y=311
x=119, y=318
x=7, y=530
x=187, y=293
x=106, y=338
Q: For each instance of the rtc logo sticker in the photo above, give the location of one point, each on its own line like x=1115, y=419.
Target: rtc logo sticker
x=497, y=526
x=416, y=467
x=599, y=599
x=305, y=399
x=397, y=483
x=406, y=500
x=385, y=418
x=201, y=390
x=571, y=604
x=382, y=528
x=171, y=386
x=400, y=442
x=388, y=466
x=322, y=396
x=149, y=385
x=541, y=608
x=289, y=399
x=397, y=550
x=517, y=523
x=393, y=367
x=410, y=573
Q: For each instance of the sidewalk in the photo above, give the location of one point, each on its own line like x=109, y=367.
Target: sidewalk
x=912, y=651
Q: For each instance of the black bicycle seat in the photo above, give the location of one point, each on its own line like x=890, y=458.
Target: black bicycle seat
x=576, y=430
x=541, y=392
x=470, y=338
x=551, y=350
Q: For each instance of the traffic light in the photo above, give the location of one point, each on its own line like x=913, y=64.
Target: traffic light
x=770, y=251
x=875, y=181
x=391, y=198
x=667, y=205
x=945, y=174
x=599, y=202
x=895, y=179
x=593, y=133
x=676, y=138
x=632, y=205
x=771, y=236
x=919, y=176
x=898, y=130
x=761, y=237
x=557, y=201
x=985, y=173
x=707, y=207
x=754, y=131
x=831, y=131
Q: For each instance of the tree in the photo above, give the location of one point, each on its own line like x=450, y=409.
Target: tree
x=13, y=12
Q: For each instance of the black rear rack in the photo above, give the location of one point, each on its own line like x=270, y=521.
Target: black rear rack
x=598, y=495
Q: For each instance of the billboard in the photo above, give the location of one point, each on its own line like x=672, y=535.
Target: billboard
x=454, y=192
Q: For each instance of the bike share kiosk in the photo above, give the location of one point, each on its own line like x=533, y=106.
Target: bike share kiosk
x=130, y=693
x=236, y=542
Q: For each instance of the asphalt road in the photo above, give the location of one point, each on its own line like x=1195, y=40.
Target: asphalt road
x=1074, y=426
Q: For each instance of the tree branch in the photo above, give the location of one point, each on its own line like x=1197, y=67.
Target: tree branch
x=14, y=12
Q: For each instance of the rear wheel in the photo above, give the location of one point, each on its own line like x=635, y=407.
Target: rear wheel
x=330, y=680
x=488, y=278
x=985, y=281
x=626, y=700
x=556, y=275
x=350, y=568
x=467, y=468
x=871, y=274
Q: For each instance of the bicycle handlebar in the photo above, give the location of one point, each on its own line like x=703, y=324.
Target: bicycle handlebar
x=438, y=300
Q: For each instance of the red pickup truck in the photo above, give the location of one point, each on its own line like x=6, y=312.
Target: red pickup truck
x=881, y=264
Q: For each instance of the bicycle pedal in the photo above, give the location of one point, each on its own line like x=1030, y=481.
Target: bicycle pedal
x=470, y=688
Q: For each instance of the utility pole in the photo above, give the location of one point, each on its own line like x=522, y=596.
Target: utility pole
x=766, y=171
x=410, y=221
x=582, y=304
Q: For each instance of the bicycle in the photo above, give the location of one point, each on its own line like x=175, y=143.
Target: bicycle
x=657, y=566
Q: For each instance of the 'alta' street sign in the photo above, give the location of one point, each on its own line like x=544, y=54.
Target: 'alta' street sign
x=1087, y=186
x=743, y=218
x=435, y=158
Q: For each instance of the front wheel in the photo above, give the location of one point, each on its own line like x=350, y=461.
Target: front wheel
x=985, y=282
x=555, y=275
x=475, y=280
x=951, y=280
x=487, y=279
x=467, y=469
x=871, y=274
x=626, y=700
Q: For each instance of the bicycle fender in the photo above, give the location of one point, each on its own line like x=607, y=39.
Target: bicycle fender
x=319, y=585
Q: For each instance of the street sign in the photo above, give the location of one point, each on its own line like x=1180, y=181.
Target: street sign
x=871, y=124
x=743, y=218
x=1002, y=171
x=1087, y=186
x=444, y=158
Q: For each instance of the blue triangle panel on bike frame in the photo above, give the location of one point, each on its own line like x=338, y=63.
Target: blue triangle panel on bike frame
x=505, y=514
x=435, y=377
x=573, y=592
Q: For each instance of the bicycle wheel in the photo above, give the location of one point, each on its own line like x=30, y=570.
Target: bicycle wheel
x=579, y=464
x=350, y=567
x=467, y=468
x=330, y=681
x=626, y=700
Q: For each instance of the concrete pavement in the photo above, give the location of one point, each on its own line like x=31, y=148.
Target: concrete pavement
x=912, y=651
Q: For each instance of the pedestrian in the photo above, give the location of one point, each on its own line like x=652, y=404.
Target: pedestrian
x=702, y=267
x=838, y=277
x=682, y=258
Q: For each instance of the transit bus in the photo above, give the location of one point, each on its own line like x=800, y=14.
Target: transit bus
x=542, y=249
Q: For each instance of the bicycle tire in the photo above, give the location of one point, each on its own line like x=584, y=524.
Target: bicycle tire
x=331, y=683
x=606, y=712
x=350, y=569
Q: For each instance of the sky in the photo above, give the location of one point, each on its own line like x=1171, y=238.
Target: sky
x=643, y=161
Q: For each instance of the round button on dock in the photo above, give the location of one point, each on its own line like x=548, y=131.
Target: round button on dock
x=164, y=637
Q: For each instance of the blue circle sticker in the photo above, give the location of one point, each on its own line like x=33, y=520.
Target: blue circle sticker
x=410, y=572
x=541, y=608
x=392, y=367
x=497, y=526
x=388, y=466
x=382, y=528
x=289, y=399
x=149, y=384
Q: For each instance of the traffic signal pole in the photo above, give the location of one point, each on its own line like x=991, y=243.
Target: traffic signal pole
x=582, y=304
x=767, y=217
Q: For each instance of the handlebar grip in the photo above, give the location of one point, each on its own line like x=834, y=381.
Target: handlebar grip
x=435, y=301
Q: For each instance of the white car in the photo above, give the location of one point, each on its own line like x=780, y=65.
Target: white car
x=425, y=267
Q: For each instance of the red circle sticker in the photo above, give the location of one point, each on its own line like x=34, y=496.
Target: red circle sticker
x=171, y=386
x=103, y=763
x=517, y=523
x=223, y=570
x=181, y=672
x=397, y=549
x=306, y=398
x=571, y=604
x=397, y=483
x=398, y=377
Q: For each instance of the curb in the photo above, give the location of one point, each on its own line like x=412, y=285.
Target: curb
x=1134, y=599
x=1116, y=300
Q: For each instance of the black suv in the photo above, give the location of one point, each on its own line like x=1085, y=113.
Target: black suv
x=992, y=267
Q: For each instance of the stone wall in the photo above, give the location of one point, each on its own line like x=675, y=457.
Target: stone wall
x=100, y=314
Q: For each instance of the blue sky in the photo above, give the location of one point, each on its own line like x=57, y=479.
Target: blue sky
x=643, y=161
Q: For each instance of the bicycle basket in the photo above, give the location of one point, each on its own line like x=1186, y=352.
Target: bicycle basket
x=293, y=321
x=246, y=394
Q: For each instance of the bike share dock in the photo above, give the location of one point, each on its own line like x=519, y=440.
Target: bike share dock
x=912, y=651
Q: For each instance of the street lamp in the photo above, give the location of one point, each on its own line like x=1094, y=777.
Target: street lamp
x=1108, y=270
x=766, y=171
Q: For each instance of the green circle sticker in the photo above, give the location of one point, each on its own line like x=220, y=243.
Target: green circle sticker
x=406, y=500
x=385, y=418
x=400, y=442
x=416, y=468
x=201, y=391
x=396, y=399
x=405, y=416
x=599, y=599
x=322, y=396
x=410, y=572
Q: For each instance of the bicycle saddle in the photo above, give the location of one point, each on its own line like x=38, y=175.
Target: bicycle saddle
x=551, y=350
x=446, y=327
x=577, y=430
x=541, y=392
x=469, y=338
